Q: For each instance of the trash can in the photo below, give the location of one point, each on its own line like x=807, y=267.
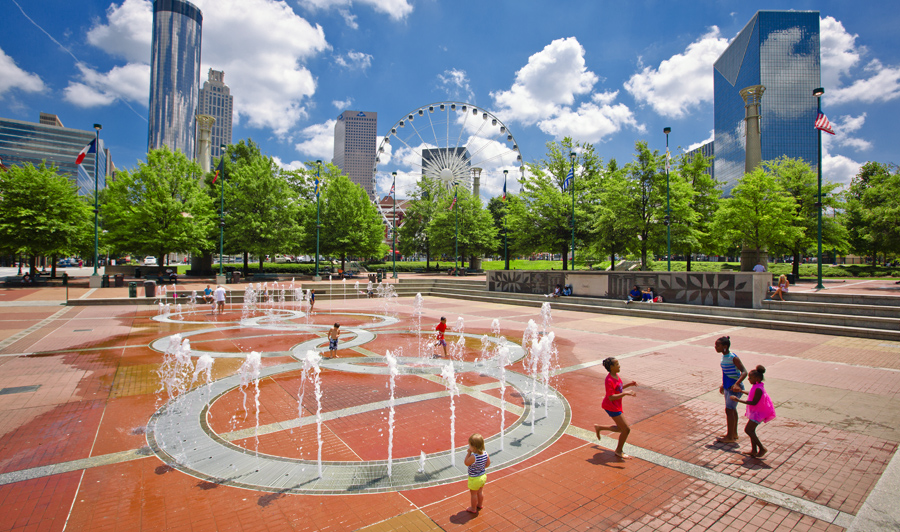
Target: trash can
x=137, y=273
x=104, y=282
x=379, y=276
x=149, y=288
x=372, y=278
x=235, y=277
x=120, y=280
x=790, y=278
x=65, y=279
x=132, y=289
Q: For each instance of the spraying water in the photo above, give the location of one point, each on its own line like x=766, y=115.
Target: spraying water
x=546, y=318
x=249, y=372
x=459, y=347
x=449, y=376
x=393, y=372
x=204, y=366
x=502, y=362
x=312, y=371
x=356, y=289
x=418, y=310
x=544, y=351
x=421, y=461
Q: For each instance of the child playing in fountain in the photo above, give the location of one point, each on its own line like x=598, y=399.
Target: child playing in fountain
x=312, y=300
x=441, y=328
x=759, y=410
x=478, y=461
x=612, y=403
x=333, y=334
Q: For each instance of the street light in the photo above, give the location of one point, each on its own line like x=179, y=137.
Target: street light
x=818, y=94
x=456, y=209
x=97, y=128
x=505, y=227
x=318, y=168
x=222, y=213
x=668, y=130
x=572, y=184
x=394, y=225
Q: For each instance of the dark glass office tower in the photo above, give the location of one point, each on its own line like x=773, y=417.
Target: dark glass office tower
x=174, y=75
x=779, y=50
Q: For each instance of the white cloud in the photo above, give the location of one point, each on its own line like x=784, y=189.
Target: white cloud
x=590, y=122
x=456, y=84
x=694, y=146
x=396, y=9
x=551, y=79
x=837, y=168
x=293, y=165
x=882, y=86
x=130, y=82
x=260, y=45
x=318, y=141
x=128, y=33
x=354, y=60
x=846, y=125
x=840, y=54
x=604, y=98
x=13, y=77
x=340, y=105
x=682, y=82
x=838, y=51
x=349, y=18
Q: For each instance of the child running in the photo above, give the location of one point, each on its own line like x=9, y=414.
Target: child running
x=733, y=373
x=759, y=410
x=478, y=461
x=441, y=328
x=333, y=334
x=612, y=403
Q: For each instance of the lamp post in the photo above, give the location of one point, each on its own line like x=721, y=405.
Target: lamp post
x=668, y=130
x=572, y=184
x=456, y=253
x=318, y=168
x=505, y=227
x=818, y=94
x=97, y=128
x=394, y=225
x=222, y=214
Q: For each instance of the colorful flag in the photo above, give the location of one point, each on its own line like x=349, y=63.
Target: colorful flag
x=391, y=193
x=569, y=178
x=823, y=124
x=90, y=148
x=220, y=170
x=668, y=159
x=454, y=200
x=504, y=187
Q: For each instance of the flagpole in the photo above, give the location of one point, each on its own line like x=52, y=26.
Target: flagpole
x=394, y=225
x=668, y=130
x=818, y=94
x=222, y=212
x=97, y=128
x=572, y=184
x=505, y=231
x=456, y=253
x=318, y=168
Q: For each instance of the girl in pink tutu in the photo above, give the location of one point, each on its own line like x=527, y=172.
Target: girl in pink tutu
x=759, y=410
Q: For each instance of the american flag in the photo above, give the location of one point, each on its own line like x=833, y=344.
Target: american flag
x=823, y=124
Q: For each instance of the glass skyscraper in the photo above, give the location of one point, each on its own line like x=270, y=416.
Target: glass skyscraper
x=30, y=142
x=354, y=147
x=174, y=75
x=779, y=50
x=216, y=101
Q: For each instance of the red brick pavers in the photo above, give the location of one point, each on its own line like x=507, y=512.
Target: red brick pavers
x=96, y=379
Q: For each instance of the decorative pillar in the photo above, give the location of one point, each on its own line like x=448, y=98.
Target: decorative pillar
x=752, y=100
x=204, y=137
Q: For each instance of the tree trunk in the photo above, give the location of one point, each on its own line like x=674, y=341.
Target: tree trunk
x=644, y=254
x=565, y=256
x=612, y=262
x=689, y=261
x=343, y=258
x=32, y=263
x=246, y=263
x=53, y=265
x=427, y=258
x=261, y=259
x=795, y=269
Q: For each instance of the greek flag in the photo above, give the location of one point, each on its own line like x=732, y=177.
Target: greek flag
x=569, y=178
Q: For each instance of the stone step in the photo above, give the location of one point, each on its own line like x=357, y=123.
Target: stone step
x=889, y=300
x=884, y=311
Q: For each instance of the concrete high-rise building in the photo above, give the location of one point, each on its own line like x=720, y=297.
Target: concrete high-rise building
x=216, y=101
x=778, y=50
x=355, y=133
x=174, y=75
x=48, y=141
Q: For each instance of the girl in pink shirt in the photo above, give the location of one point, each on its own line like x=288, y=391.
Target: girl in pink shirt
x=612, y=403
x=759, y=410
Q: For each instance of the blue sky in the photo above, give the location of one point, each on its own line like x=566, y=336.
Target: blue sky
x=609, y=73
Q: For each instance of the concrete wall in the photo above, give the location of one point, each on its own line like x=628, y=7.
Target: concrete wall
x=723, y=289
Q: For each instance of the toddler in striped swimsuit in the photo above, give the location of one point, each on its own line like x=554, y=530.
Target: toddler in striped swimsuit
x=477, y=460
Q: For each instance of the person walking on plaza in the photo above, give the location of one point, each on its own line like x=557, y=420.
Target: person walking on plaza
x=220, y=299
x=612, y=403
x=733, y=374
x=333, y=334
x=478, y=460
x=759, y=410
x=441, y=328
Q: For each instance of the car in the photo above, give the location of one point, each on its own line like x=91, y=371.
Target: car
x=283, y=259
x=64, y=263
x=149, y=260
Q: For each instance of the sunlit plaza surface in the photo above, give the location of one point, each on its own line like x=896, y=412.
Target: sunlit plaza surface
x=91, y=438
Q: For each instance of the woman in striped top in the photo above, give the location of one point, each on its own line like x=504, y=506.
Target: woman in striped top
x=478, y=461
x=733, y=373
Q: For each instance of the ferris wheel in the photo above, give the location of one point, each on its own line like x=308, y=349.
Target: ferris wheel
x=451, y=143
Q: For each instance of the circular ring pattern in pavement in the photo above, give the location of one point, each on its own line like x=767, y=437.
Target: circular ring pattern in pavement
x=179, y=434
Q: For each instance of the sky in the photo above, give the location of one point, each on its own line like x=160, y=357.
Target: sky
x=607, y=73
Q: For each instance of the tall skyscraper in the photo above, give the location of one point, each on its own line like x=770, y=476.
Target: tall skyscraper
x=780, y=51
x=216, y=101
x=174, y=75
x=354, y=147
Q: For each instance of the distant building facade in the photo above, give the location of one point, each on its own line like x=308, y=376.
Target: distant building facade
x=708, y=150
x=355, y=133
x=779, y=50
x=174, y=75
x=216, y=101
x=30, y=142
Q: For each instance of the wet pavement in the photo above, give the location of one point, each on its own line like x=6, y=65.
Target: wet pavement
x=89, y=442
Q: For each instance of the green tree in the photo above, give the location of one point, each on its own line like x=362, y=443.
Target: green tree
x=476, y=233
x=499, y=209
x=873, y=208
x=160, y=207
x=760, y=214
x=614, y=222
x=707, y=193
x=261, y=209
x=413, y=234
x=797, y=178
x=41, y=213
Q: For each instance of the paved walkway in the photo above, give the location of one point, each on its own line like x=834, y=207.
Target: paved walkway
x=80, y=412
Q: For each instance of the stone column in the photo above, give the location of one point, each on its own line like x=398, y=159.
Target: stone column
x=204, y=136
x=752, y=99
